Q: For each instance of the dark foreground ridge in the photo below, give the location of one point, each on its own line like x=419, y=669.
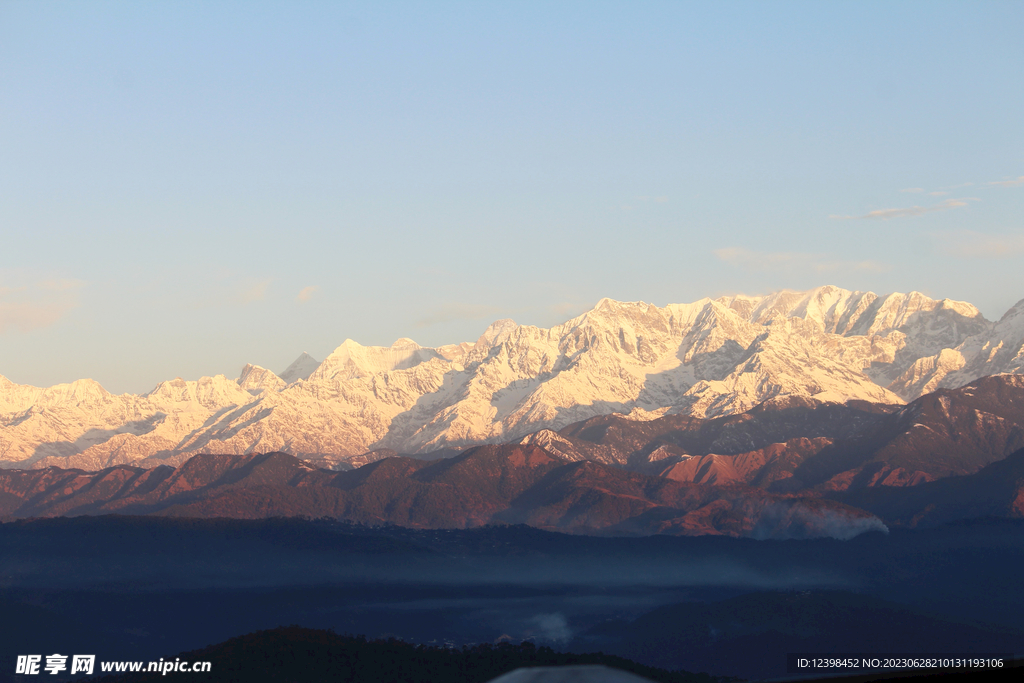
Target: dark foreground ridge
x=144, y=588
x=293, y=653
x=750, y=635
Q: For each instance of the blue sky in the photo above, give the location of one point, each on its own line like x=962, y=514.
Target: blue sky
x=187, y=187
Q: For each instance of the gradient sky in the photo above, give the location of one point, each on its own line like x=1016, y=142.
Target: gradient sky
x=187, y=187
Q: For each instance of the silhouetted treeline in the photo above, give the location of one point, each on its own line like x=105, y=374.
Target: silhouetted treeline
x=298, y=654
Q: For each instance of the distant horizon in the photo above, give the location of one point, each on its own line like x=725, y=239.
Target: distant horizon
x=190, y=187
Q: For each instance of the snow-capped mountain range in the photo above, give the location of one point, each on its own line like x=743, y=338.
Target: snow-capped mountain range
x=707, y=358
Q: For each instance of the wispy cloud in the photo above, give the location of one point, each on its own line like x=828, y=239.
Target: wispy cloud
x=248, y=292
x=231, y=290
x=886, y=214
x=763, y=261
x=1019, y=180
x=459, y=311
x=970, y=244
x=25, y=316
x=307, y=293
x=40, y=304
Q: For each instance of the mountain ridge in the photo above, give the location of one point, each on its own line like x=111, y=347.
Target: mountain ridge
x=487, y=484
x=713, y=357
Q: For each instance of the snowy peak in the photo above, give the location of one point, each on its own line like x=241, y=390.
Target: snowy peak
x=1010, y=328
x=850, y=313
x=82, y=393
x=255, y=378
x=352, y=360
x=1016, y=312
x=496, y=333
x=454, y=352
x=208, y=392
x=916, y=311
x=999, y=349
x=301, y=368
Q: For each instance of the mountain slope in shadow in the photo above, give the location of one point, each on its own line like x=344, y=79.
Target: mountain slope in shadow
x=511, y=483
